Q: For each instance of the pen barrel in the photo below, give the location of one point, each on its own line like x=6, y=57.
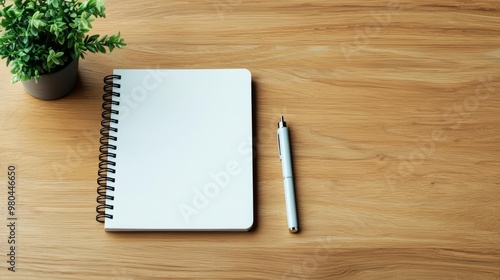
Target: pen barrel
x=286, y=165
x=291, y=207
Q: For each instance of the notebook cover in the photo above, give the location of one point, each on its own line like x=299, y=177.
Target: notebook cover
x=184, y=157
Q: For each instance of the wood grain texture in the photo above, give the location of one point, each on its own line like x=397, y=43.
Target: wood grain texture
x=393, y=108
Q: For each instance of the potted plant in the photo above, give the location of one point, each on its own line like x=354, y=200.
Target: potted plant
x=42, y=41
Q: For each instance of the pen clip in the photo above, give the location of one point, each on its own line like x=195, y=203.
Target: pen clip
x=279, y=148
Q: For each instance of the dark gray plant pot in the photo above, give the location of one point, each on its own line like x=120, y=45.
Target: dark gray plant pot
x=55, y=85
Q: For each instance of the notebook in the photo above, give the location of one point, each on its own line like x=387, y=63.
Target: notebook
x=176, y=151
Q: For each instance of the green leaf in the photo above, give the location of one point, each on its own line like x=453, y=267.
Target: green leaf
x=53, y=3
x=57, y=61
x=24, y=56
x=91, y=48
x=59, y=54
x=100, y=48
x=36, y=23
x=54, y=58
x=92, y=38
x=104, y=39
x=4, y=23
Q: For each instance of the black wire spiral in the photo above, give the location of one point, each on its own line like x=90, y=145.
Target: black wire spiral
x=106, y=163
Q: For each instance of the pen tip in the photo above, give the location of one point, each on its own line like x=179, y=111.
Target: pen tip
x=282, y=122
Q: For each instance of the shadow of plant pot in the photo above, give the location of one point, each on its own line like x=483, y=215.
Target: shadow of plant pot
x=55, y=85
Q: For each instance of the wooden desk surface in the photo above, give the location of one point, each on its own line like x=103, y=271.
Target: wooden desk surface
x=394, y=109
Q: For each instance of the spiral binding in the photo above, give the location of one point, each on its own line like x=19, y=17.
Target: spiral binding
x=106, y=163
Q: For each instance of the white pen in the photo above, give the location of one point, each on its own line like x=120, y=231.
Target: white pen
x=286, y=165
